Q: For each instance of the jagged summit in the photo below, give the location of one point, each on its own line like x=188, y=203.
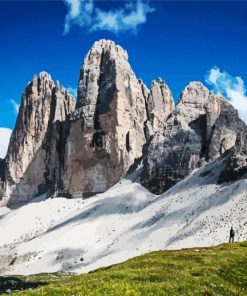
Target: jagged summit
x=116, y=114
x=101, y=66
x=111, y=46
x=124, y=134
x=195, y=93
x=44, y=74
x=44, y=83
x=69, y=150
x=31, y=158
x=107, y=45
x=204, y=126
x=94, y=147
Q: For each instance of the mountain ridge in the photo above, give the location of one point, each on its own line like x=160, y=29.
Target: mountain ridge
x=78, y=149
x=159, y=176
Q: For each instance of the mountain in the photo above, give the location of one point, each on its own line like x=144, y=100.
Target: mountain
x=203, y=126
x=114, y=118
x=79, y=150
x=158, y=176
x=34, y=155
x=69, y=149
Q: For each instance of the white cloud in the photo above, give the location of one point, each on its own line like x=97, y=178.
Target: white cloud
x=231, y=87
x=5, y=134
x=85, y=14
x=15, y=106
x=72, y=91
x=80, y=13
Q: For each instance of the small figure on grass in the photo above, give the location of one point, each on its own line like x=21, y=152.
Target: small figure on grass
x=232, y=234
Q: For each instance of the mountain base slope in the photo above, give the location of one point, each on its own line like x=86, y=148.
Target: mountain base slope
x=212, y=271
x=124, y=222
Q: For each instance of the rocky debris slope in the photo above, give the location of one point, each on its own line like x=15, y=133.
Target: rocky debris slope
x=203, y=127
x=77, y=235
x=114, y=118
x=32, y=161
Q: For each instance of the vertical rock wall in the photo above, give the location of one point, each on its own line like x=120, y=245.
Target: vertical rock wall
x=30, y=160
x=114, y=117
x=202, y=127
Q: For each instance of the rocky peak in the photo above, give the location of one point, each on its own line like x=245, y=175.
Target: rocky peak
x=160, y=99
x=42, y=103
x=107, y=128
x=117, y=121
x=193, y=101
x=94, y=147
x=159, y=104
x=203, y=126
x=42, y=84
x=114, y=118
x=104, y=69
x=195, y=93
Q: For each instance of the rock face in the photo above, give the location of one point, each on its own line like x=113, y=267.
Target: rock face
x=2, y=177
x=235, y=164
x=114, y=117
x=82, y=150
x=203, y=127
x=2, y=164
x=32, y=161
x=67, y=150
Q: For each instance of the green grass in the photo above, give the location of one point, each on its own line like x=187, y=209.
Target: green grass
x=221, y=270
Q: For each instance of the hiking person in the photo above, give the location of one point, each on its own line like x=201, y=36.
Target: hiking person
x=232, y=234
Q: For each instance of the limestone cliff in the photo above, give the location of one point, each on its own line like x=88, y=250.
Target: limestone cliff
x=2, y=177
x=67, y=150
x=201, y=128
x=32, y=157
x=235, y=160
x=114, y=117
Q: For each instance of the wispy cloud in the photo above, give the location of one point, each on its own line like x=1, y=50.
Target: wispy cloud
x=86, y=14
x=5, y=134
x=231, y=87
x=15, y=106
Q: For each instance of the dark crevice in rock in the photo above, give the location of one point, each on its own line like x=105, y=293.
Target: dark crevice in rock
x=200, y=127
x=98, y=138
x=127, y=142
x=98, y=101
x=2, y=169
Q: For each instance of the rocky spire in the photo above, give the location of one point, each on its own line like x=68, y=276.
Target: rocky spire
x=42, y=104
x=109, y=127
x=235, y=162
x=201, y=128
x=104, y=57
x=160, y=103
x=85, y=150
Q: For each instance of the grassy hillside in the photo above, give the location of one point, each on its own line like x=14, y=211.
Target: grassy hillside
x=221, y=270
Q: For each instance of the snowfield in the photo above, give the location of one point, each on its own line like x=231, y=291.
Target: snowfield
x=81, y=235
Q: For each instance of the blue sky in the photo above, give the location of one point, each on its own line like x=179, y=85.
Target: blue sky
x=178, y=41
